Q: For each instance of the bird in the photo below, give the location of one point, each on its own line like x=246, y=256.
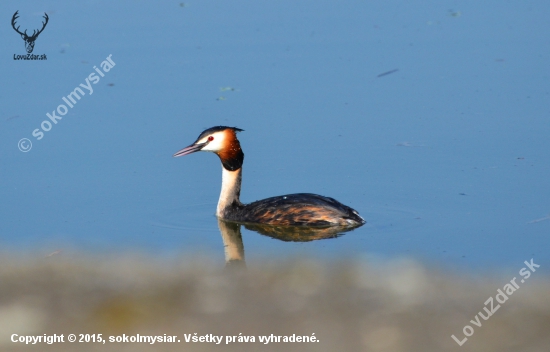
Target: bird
x=299, y=209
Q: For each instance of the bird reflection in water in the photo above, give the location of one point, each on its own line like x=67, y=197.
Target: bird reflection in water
x=233, y=241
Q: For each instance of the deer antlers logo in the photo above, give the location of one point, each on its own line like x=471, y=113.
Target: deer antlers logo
x=29, y=40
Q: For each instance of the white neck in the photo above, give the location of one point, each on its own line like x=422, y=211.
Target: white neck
x=231, y=190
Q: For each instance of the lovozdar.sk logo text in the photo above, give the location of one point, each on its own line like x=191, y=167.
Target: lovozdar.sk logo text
x=29, y=39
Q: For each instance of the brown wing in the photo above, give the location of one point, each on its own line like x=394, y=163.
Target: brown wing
x=301, y=209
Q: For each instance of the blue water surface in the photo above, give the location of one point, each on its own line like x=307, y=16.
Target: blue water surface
x=431, y=118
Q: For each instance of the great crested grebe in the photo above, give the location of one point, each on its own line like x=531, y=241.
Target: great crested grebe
x=300, y=209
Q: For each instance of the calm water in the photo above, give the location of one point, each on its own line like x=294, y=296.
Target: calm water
x=446, y=156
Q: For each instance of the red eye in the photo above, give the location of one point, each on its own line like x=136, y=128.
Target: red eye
x=210, y=139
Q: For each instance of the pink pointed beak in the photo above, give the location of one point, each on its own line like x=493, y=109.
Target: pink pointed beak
x=190, y=149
